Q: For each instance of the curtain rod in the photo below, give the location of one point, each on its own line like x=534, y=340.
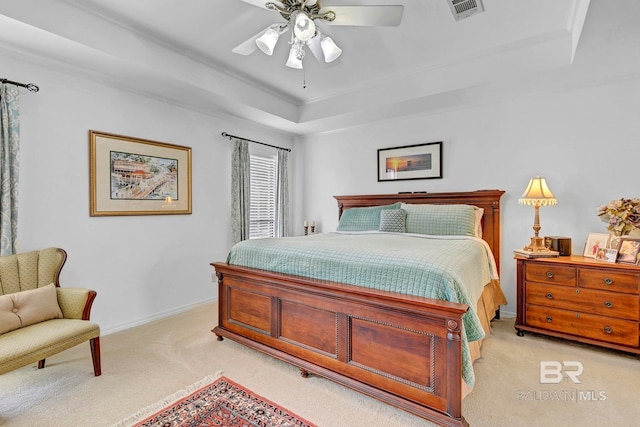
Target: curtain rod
x=32, y=87
x=257, y=142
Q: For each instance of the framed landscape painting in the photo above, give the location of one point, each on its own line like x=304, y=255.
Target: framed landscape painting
x=133, y=176
x=420, y=161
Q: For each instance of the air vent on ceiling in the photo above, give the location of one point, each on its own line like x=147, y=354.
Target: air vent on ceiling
x=465, y=8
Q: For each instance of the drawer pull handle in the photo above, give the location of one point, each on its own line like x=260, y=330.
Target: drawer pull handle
x=608, y=304
x=608, y=281
x=549, y=295
x=607, y=329
x=549, y=319
x=549, y=274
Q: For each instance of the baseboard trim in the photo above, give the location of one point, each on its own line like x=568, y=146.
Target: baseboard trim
x=182, y=309
x=154, y=317
x=504, y=314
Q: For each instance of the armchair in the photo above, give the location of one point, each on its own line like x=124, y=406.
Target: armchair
x=38, y=318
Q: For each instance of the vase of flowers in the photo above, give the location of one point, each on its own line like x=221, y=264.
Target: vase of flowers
x=622, y=217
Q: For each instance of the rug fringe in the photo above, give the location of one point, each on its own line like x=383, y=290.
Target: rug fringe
x=167, y=401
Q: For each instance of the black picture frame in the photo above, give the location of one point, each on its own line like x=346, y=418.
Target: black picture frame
x=419, y=161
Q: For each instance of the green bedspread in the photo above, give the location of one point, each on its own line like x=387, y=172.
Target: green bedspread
x=448, y=268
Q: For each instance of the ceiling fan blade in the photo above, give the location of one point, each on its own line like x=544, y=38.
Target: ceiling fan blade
x=386, y=16
x=249, y=46
x=262, y=3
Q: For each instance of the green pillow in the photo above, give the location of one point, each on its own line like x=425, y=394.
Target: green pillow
x=441, y=220
x=363, y=219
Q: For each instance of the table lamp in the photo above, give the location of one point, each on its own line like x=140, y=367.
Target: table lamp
x=537, y=194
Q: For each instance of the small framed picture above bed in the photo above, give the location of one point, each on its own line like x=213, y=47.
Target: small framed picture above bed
x=420, y=161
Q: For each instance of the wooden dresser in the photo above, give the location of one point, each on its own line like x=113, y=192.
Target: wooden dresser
x=580, y=299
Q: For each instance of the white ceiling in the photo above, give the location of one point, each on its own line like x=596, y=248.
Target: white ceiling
x=180, y=51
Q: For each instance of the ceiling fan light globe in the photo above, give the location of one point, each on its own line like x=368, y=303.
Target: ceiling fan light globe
x=295, y=61
x=267, y=41
x=330, y=49
x=304, y=28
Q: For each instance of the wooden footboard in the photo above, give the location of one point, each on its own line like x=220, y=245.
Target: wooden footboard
x=400, y=349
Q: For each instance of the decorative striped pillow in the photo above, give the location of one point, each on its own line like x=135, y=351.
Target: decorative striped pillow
x=441, y=220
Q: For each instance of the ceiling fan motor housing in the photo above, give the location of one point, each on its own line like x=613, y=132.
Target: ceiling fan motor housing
x=292, y=5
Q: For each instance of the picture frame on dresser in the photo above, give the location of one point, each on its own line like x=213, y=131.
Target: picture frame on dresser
x=594, y=242
x=610, y=255
x=628, y=250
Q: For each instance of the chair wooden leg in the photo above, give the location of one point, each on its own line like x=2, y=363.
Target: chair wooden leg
x=41, y=364
x=95, y=355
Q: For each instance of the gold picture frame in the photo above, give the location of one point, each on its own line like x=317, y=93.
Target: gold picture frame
x=133, y=176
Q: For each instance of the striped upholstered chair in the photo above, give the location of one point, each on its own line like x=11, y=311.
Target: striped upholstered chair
x=38, y=318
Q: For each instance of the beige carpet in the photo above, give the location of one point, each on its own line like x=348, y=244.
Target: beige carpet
x=143, y=365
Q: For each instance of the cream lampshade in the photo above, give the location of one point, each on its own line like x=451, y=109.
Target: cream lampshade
x=537, y=194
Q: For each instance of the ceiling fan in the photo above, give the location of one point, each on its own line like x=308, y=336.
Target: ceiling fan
x=302, y=17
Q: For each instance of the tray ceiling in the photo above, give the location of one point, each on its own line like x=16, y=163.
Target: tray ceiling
x=180, y=51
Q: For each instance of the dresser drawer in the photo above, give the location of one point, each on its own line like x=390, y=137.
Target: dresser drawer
x=609, y=280
x=601, y=328
x=549, y=273
x=622, y=306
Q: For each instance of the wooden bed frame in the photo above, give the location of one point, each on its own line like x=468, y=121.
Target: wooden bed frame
x=403, y=350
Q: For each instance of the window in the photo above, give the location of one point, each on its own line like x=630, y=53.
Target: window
x=262, y=210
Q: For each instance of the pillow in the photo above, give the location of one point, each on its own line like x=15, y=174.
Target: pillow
x=26, y=308
x=479, y=215
x=393, y=220
x=363, y=219
x=441, y=220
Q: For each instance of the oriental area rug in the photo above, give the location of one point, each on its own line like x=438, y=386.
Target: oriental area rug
x=214, y=402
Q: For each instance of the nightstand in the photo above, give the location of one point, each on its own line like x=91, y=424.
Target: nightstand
x=580, y=299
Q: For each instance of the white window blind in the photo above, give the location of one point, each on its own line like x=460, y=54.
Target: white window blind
x=262, y=208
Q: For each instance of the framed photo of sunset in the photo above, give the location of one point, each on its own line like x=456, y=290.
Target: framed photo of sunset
x=420, y=161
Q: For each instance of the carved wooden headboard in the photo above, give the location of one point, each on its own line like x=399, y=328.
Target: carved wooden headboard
x=489, y=200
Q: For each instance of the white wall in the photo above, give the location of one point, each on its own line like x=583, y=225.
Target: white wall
x=143, y=267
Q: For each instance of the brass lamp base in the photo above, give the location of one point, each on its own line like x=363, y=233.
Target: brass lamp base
x=537, y=244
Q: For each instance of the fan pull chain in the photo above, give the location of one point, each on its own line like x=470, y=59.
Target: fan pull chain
x=304, y=78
